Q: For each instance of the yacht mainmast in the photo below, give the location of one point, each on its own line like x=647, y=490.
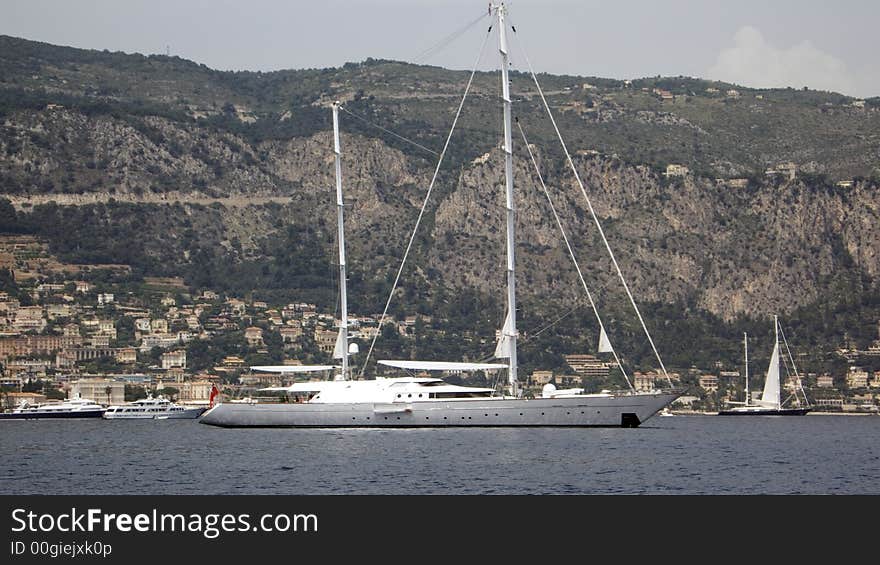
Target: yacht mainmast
x=509, y=329
x=776, y=329
x=343, y=296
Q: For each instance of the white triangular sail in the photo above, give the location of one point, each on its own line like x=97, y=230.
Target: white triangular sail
x=502, y=350
x=771, y=395
x=341, y=348
x=604, y=343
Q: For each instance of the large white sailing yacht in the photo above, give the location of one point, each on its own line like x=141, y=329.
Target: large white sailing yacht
x=417, y=401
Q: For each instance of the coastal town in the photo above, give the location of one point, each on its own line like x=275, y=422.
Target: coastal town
x=70, y=331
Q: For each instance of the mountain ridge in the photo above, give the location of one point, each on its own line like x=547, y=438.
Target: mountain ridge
x=212, y=179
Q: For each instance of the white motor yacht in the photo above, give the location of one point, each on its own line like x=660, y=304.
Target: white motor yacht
x=74, y=408
x=150, y=408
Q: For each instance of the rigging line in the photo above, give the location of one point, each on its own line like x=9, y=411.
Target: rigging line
x=425, y=203
x=437, y=47
x=796, y=374
x=788, y=350
x=336, y=303
x=388, y=131
x=530, y=336
x=592, y=211
x=333, y=276
x=570, y=250
x=787, y=377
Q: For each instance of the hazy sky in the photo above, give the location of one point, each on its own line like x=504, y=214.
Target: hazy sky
x=761, y=43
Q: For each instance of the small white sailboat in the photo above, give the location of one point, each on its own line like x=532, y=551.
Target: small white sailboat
x=770, y=403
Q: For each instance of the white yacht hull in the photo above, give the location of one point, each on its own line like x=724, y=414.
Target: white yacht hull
x=37, y=415
x=624, y=410
x=760, y=411
x=187, y=414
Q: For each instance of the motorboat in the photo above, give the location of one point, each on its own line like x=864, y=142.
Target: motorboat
x=150, y=408
x=73, y=408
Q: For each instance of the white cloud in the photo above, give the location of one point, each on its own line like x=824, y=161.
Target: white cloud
x=757, y=63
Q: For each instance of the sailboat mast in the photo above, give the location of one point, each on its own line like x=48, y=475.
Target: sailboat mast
x=746, y=347
x=778, y=398
x=509, y=204
x=343, y=295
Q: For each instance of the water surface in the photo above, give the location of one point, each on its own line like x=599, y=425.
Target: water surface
x=679, y=455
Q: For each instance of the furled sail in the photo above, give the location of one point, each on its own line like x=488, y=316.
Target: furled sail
x=771, y=395
x=604, y=343
x=340, y=348
x=502, y=350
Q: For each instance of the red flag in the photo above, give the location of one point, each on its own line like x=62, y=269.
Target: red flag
x=214, y=392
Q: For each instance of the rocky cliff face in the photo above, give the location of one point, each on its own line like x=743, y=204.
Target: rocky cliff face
x=731, y=251
x=753, y=250
x=222, y=170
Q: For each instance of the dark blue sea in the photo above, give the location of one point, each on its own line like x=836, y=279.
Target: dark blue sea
x=695, y=455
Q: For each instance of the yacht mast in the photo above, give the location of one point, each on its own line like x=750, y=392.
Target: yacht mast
x=510, y=329
x=343, y=296
x=746, y=345
x=776, y=347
